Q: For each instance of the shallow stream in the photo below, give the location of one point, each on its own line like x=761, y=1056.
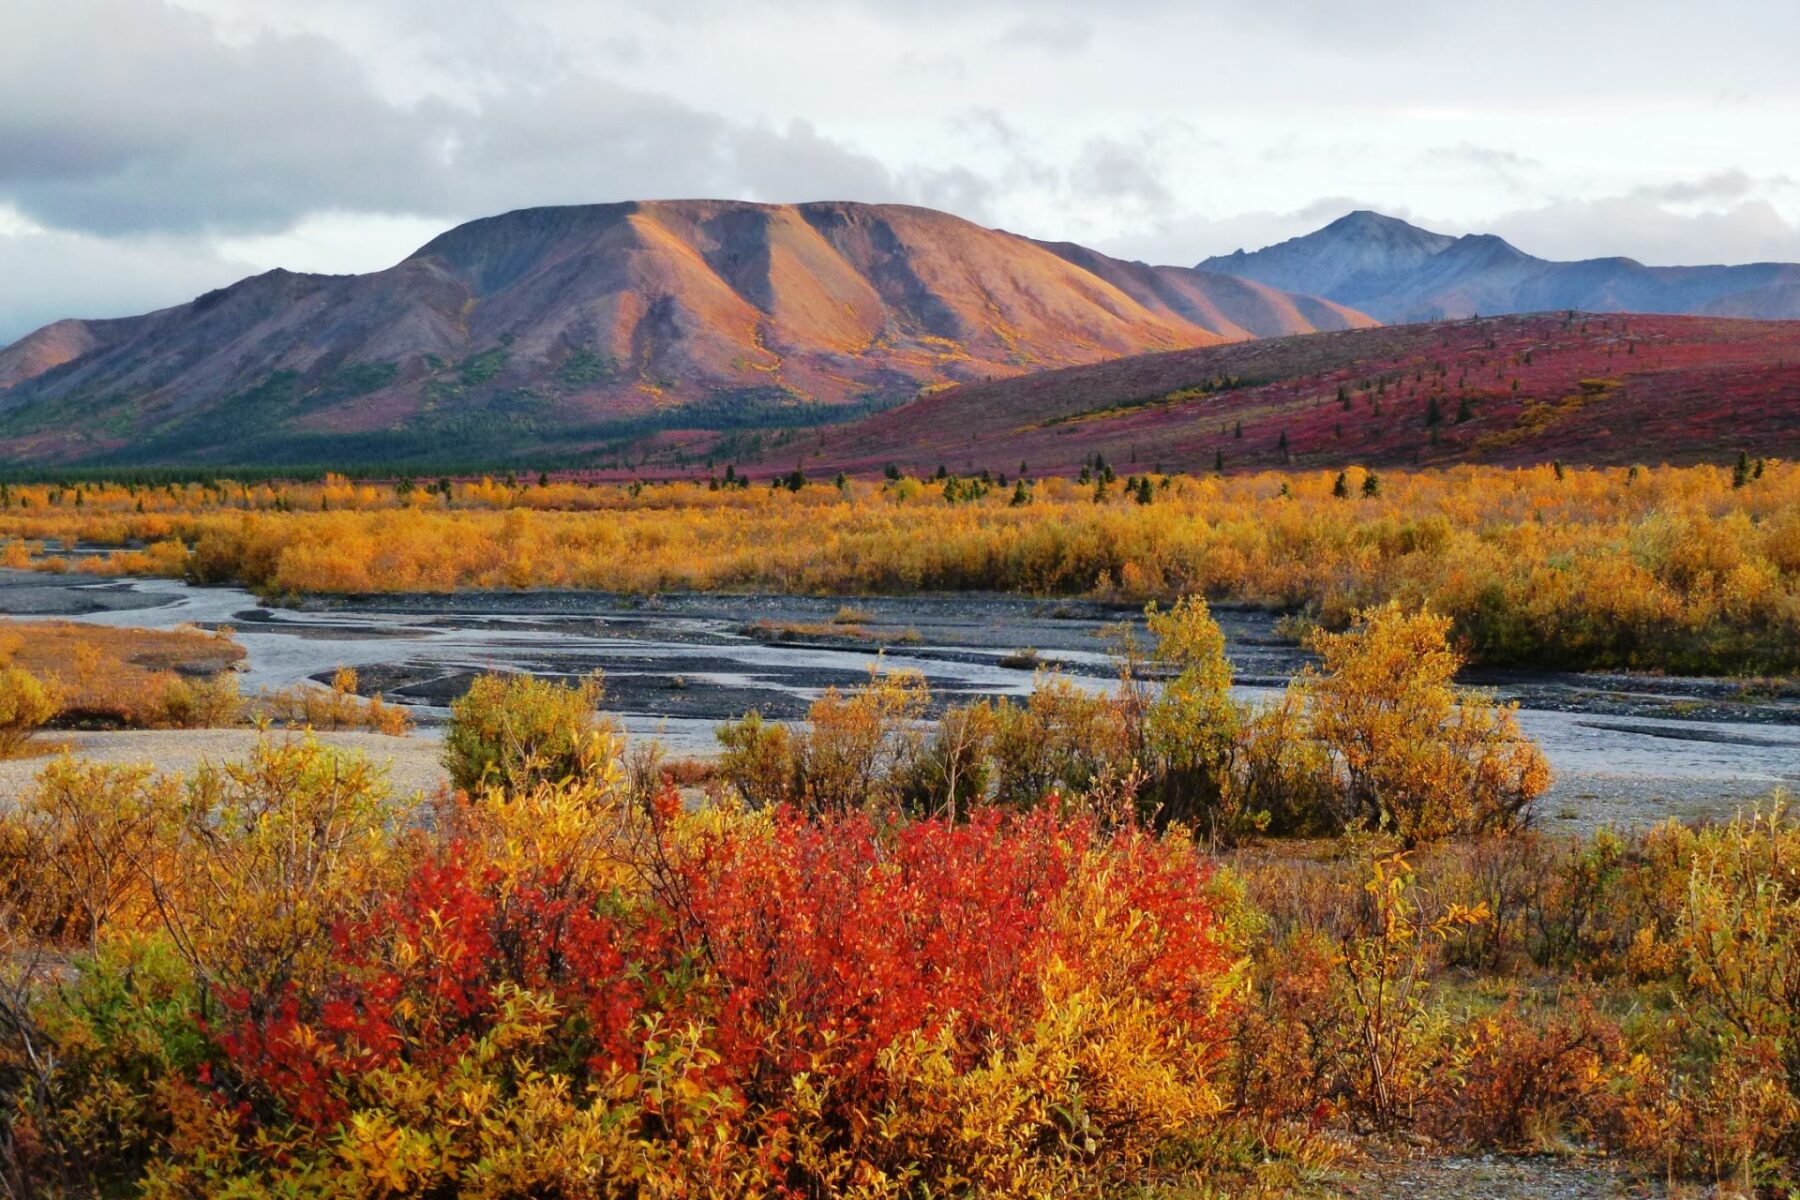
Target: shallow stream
x=1625, y=749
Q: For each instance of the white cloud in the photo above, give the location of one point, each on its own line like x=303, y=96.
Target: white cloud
x=191, y=137
x=1638, y=227
x=52, y=274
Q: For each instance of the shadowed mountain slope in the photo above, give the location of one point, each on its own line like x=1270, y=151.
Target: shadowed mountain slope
x=1398, y=272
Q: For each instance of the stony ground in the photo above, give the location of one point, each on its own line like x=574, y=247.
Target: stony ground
x=411, y=761
x=1491, y=1177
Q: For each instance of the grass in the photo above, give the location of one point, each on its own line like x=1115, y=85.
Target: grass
x=112, y=676
x=1025, y=659
x=837, y=627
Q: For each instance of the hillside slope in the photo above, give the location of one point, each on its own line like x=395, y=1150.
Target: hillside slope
x=1398, y=272
x=1589, y=389
x=548, y=331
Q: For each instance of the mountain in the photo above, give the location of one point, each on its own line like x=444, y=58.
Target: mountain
x=1398, y=272
x=1515, y=389
x=549, y=332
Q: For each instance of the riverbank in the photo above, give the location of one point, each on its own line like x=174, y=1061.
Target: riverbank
x=1626, y=750
x=410, y=761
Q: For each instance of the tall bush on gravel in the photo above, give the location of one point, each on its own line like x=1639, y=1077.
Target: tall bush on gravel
x=1411, y=752
x=26, y=703
x=516, y=731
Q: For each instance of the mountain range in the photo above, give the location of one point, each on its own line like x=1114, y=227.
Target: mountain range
x=1400, y=273
x=550, y=332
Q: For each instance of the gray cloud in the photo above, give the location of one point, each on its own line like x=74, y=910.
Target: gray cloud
x=1121, y=172
x=71, y=274
x=1064, y=35
x=168, y=128
x=130, y=117
x=1733, y=184
x=1639, y=227
x=189, y=140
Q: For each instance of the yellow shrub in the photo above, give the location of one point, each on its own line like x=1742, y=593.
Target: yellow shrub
x=267, y=855
x=202, y=703
x=83, y=844
x=516, y=731
x=1415, y=754
x=25, y=704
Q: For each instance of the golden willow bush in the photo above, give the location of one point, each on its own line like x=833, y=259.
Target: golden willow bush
x=1672, y=568
x=1377, y=739
x=26, y=703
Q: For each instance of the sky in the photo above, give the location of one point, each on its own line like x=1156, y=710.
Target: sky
x=151, y=150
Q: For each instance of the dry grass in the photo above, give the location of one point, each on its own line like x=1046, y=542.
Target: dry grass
x=342, y=706
x=139, y=678
x=767, y=630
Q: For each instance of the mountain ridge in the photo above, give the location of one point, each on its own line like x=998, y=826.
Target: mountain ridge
x=569, y=327
x=1399, y=273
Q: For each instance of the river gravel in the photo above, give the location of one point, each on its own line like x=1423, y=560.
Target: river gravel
x=1625, y=750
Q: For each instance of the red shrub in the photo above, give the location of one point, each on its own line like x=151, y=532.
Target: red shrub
x=800, y=946
x=420, y=980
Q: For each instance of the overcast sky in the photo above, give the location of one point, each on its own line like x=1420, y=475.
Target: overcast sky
x=151, y=150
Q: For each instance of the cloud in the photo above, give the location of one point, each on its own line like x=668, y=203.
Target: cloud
x=198, y=137
x=50, y=275
x=1732, y=184
x=1637, y=226
x=1122, y=173
x=160, y=125
x=1062, y=35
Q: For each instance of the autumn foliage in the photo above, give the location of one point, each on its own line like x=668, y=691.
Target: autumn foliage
x=1688, y=569
x=989, y=955
x=565, y=989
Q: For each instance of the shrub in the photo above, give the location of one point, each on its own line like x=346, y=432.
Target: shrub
x=514, y=731
x=265, y=856
x=1280, y=777
x=949, y=774
x=26, y=703
x=728, y=1004
x=341, y=706
x=1192, y=724
x=1531, y=1075
x=1412, y=753
x=857, y=746
x=78, y=850
x=758, y=760
x=1293, y=1039
x=1738, y=938
x=202, y=703
x=1059, y=741
x=100, y=1116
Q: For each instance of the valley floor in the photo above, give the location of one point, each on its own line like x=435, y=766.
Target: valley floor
x=1490, y=1177
x=1627, y=751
